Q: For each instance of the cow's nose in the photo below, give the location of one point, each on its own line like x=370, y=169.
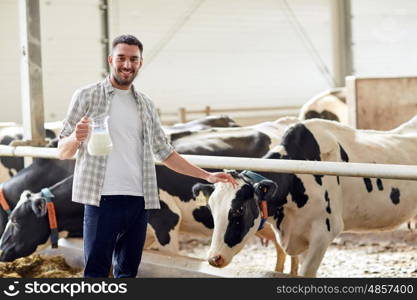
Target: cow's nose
x=216, y=261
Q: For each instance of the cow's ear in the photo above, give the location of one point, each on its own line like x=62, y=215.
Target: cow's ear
x=202, y=191
x=265, y=189
x=39, y=207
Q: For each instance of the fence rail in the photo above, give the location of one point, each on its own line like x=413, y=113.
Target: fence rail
x=389, y=171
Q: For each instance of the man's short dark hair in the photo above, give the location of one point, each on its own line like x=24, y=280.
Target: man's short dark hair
x=127, y=39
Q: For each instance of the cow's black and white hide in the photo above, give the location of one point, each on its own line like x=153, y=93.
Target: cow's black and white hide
x=180, y=210
x=309, y=211
x=175, y=131
x=328, y=105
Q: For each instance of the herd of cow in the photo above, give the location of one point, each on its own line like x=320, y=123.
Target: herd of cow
x=304, y=212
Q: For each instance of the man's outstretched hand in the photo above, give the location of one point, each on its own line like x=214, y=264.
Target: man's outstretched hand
x=221, y=177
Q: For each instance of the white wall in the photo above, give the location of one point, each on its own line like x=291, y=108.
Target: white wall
x=71, y=51
x=225, y=53
x=384, y=37
x=9, y=58
x=71, y=54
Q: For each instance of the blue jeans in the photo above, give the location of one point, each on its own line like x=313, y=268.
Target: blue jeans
x=114, y=232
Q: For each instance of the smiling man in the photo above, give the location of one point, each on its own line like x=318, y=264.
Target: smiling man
x=118, y=189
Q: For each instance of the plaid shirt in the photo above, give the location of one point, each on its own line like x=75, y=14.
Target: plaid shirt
x=95, y=100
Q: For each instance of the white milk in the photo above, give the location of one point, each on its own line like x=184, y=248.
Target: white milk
x=100, y=143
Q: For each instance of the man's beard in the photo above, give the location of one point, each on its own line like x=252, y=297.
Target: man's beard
x=121, y=81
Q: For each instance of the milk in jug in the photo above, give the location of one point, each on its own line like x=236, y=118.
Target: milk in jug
x=100, y=142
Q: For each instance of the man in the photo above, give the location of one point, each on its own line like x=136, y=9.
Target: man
x=118, y=189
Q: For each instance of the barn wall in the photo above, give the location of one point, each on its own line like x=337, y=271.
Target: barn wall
x=71, y=54
x=384, y=37
x=221, y=53
x=9, y=59
x=226, y=53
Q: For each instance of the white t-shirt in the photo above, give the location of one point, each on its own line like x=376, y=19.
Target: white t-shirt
x=124, y=165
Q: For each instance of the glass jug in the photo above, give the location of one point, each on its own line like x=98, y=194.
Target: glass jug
x=100, y=142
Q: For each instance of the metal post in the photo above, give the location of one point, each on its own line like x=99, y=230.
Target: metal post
x=351, y=101
x=104, y=9
x=182, y=113
x=341, y=40
x=31, y=73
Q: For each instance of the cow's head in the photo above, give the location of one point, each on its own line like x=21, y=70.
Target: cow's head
x=26, y=229
x=237, y=216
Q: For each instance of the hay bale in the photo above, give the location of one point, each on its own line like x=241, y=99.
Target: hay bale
x=38, y=266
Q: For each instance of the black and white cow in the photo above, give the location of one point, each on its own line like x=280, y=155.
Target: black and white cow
x=200, y=124
x=331, y=105
x=328, y=105
x=309, y=211
x=28, y=227
x=41, y=173
x=180, y=210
